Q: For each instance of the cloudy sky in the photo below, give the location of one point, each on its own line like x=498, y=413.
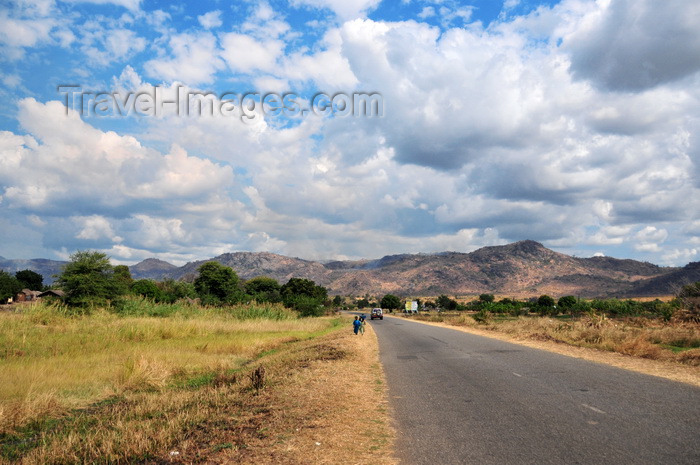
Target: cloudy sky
x=573, y=123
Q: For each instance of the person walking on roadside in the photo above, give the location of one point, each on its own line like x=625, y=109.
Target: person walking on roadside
x=362, y=324
x=356, y=325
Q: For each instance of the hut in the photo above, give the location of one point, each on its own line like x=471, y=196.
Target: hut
x=56, y=293
x=27, y=295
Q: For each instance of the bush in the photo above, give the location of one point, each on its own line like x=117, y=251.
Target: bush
x=482, y=316
x=217, y=284
x=172, y=291
x=567, y=301
x=446, y=303
x=263, y=289
x=486, y=297
x=690, y=298
x=88, y=280
x=147, y=288
x=305, y=305
x=615, y=307
x=580, y=307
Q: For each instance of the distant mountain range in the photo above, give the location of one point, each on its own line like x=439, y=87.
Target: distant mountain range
x=520, y=269
x=46, y=268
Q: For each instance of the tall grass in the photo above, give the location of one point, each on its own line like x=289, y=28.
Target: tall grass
x=52, y=361
x=141, y=306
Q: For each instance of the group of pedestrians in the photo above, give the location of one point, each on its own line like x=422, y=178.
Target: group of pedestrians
x=358, y=326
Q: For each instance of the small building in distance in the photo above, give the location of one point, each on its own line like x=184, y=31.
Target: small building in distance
x=57, y=293
x=27, y=295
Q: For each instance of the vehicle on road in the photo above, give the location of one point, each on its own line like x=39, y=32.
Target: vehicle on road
x=377, y=313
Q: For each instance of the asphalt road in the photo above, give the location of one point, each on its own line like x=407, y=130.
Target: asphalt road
x=459, y=398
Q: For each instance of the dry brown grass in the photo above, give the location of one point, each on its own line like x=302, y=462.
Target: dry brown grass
x=329, y=406
x=639, y=344
x=320, y=400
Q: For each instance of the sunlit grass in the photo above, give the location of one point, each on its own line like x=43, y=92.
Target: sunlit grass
x=51, y=361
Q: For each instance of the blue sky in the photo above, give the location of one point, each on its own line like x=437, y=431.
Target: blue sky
x=573, y=123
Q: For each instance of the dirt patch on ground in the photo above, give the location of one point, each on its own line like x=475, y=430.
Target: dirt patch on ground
x=324, y=402
x=669, y=370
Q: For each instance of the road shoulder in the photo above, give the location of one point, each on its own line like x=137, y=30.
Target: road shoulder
x=673, y=371
x=330, y=407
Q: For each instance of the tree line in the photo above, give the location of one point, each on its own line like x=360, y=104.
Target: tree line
x=688, y=298
x=90, y=280
x=11, y=285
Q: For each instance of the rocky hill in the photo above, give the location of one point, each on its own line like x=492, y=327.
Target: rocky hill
x=251, y=264
x=524, y=268
x=152, y=268
x=667, y=283
x=520, y=269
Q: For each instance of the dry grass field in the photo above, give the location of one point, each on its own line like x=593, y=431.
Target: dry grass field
x=133, y=389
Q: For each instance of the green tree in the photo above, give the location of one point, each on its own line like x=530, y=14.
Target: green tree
x=305, y=296
x=486, y=297
x=88, y=280
x=390, y=302
x=147, y=288
x=217, y=284
x=123, y=276
x=445, y=302
x=337, y=301
x=566, y=301
x=303, y=286
x=362, y=303
x=30, y=280
x=9, y=286
x=546, y=306
x=263, y=289
x=261, y=284
x=172, y=290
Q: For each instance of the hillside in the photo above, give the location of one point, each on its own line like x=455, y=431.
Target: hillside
x=520, y=269
x=251, y=264
x=668, y=283
x=46, y=268
x=152, y=268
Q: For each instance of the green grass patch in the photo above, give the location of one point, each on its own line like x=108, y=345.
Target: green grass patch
x=218, y=447
x=675, y=349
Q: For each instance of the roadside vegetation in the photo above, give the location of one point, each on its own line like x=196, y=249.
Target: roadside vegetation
x=110, y=387
x=124, y=371
x=655, y=329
